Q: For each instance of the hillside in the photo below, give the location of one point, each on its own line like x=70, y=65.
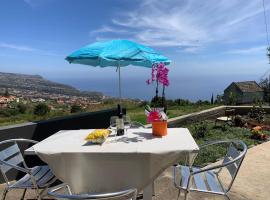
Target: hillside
x=37, y=83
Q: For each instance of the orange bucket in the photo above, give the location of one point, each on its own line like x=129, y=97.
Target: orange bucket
x=159, y=128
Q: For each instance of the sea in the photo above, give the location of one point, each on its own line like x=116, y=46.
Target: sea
x=191, y=87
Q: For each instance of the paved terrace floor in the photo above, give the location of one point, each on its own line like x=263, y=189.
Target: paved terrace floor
x=252, y=183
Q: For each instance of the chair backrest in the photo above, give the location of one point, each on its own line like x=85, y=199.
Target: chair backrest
x=11, y=155
x=129, y=194
x=235, y=155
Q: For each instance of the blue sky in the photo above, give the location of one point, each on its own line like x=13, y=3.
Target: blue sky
x=202, y=38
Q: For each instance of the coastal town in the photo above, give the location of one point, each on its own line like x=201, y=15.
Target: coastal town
x=24, y=97
x=24, y=89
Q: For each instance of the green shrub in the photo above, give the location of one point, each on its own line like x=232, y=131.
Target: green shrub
x=199, y=102
x=75, y=108
x=143, y=104
x=239, y=121
x=219, y=99
x=182, y=102
x=200, y=130
x=41, y=109
x=8, y=112
x=257, y=113
x=21, y=108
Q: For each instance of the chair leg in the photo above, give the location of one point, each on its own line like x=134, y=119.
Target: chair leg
x=186, y=195
x=4, y=194
x=37, y=194
x=43, y=192
x=179, y=193
x=69, y=190
x=227, y=197
x=153, y=189
x=24, y=191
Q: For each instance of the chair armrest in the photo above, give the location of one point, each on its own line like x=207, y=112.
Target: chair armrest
x=22, y=169
x=207, y=169
x=217, y=166
x=26, y=140
x=217, y=142
x=19, y=140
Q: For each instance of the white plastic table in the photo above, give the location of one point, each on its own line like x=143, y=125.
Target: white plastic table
x=134, y=160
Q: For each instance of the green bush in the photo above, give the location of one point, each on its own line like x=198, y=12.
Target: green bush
x=200, y=130
x=239, y=121
x=199, y=102
x=219, y=99
x=21, y=108
x=8, y=112
x=75, y=108
x=182, y=102
x=143, y=103
x=257, y=113
x=41, y=109
x=170, y=102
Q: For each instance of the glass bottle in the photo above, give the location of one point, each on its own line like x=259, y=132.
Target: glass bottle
x=120, y=128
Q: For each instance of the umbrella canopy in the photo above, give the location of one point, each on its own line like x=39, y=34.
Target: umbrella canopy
x=116, y=53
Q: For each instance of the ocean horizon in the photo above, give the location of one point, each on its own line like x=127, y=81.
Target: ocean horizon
x=191, y=87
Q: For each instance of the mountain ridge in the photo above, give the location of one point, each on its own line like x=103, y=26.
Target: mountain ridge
x=38, y=83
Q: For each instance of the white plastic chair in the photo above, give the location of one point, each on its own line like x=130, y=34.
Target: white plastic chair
x=38, y=177
x=208, y=179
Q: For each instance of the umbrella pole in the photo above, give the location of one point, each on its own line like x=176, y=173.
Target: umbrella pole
x=119, y=83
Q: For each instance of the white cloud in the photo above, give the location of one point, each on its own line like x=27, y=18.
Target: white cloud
x=17, y=47
x=107, y=29
x=191, y=23
x=31, y=3
x=36, y=3
x=29, y=49
x=252, y=50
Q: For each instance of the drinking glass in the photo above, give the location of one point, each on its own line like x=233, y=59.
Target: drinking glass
x=113, y=120
x=127, y=123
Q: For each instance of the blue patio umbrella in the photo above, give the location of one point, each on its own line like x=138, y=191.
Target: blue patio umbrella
x=117, y=53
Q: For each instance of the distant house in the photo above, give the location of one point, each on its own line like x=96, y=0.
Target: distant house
x=4, y=101
x=38, y=100
x=243, y=93
x=7, y=100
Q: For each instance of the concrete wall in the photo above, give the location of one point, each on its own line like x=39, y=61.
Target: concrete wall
x=212, y=113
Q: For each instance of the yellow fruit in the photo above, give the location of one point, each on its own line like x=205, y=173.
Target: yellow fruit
x=98, y=134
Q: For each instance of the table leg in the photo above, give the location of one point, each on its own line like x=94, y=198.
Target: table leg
x=148, y=192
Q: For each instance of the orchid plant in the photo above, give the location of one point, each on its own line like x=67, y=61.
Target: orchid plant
x=159, y=76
